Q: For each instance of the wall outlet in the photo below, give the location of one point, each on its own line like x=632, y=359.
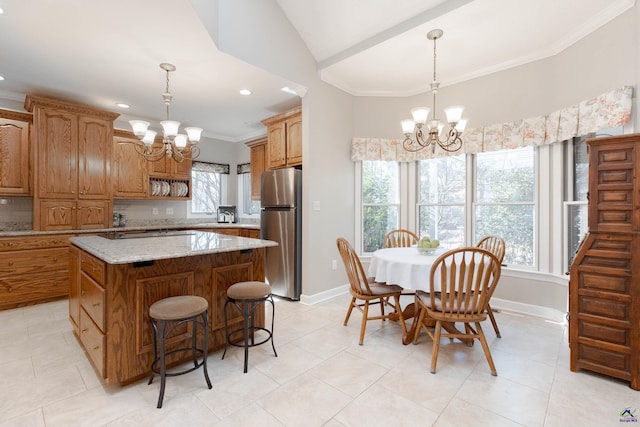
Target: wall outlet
x=154, y=211
x=334, y=264
x=169, y=211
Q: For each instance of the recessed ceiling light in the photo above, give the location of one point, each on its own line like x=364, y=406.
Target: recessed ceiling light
x=245, y=92
x=1, y=11
x=1, y=78
x=122, y=105
x=289, y=90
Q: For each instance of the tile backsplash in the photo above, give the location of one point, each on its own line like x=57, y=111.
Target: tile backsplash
x=16, y=213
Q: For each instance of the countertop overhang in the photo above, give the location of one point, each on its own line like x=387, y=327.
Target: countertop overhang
x=172, y=245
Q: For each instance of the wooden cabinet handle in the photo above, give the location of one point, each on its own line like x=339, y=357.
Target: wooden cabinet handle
x=82, y=292
x=96, y=347
x=85, y=329
x=55, y=259
x=10, y=289
x=96, y=304
x=10, y=263
x=11, y=244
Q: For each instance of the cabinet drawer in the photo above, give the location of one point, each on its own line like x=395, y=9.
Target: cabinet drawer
x=93, y=341
x=31, y=242
x=37, y=286
x=27, y=262
x=92, y=299
x=93, y=267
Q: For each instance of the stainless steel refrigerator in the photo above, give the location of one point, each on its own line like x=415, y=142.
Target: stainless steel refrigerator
x=281, y=221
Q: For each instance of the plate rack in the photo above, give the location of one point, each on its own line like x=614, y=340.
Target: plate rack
x=169, y=188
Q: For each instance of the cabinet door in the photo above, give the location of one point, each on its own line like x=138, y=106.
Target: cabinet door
x=181, y=169
x=74, y=287
x=277, y=145
x=92, y=214
x=258, y=161
x=294, y=140
x=160, y=168
x=57, y=136
x=131, y=177
x=57, y=215
x=94, y=158
x=14, y=157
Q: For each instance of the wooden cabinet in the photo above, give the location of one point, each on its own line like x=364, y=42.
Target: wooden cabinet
x=604, y=286
x=259, y=163
x=14, y=154
x=113, y=306
x=284, y=139
x=33, y=269
x=73, y=149
x=168, y=168
x=130, y=171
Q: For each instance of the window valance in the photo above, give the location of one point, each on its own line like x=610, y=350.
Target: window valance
x=243, y=168
x=210, y=167
x=605, y=111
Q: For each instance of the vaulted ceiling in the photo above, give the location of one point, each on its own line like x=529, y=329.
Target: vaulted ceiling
x=101, y=52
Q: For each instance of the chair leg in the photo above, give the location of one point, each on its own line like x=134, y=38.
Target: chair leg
x=436, y=346
x=205, y=347
x=365, y=315
x=400, y=315
x=163, y=365
x=382, y=303
x=485, y=347
x=351, y=305
x=419, y=318
x=493, y=321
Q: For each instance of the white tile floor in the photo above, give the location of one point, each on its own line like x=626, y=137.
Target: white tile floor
x=320, y=377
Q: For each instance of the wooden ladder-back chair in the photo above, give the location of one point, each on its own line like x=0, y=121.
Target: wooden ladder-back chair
x=461, y=283
x=399, y=238
x=368, y=291
x=496, y=246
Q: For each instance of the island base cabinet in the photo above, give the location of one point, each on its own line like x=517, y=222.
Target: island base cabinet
x=129, y=291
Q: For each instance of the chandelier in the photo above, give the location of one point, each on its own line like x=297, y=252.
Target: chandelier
x=177, y=146
x=431, y=136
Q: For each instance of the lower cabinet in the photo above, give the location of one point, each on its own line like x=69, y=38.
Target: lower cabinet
x=65, y=215
x=114, y=299
x=33, y=269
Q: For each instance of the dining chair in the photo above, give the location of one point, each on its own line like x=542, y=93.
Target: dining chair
x=399, y=238
x=496, y=246
x=461, y=282
x=366, y=291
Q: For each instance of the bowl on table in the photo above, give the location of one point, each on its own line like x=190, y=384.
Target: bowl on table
x=426, y=251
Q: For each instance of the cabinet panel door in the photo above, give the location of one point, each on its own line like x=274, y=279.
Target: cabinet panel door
x=14, y=157
x=294, y=141
x=258, y=161
x=57, y=154
x=94, y=158
x=57, y=215
x=92, y=214
x=181, y=169
x=277, y=145
x=131, y=177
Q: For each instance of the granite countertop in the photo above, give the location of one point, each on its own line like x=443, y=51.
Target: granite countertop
x=173, y=244
x=173, y=226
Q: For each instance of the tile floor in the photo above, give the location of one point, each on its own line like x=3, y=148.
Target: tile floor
x=321, y=377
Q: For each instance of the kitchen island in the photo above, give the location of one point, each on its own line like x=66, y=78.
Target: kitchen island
x=114, y=281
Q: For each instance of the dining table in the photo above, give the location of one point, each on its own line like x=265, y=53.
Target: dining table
x=409, y=268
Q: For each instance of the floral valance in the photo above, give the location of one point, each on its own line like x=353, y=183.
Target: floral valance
x=210, y=167
x=605, y=111
x=243, y=168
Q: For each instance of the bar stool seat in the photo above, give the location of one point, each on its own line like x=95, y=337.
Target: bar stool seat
x=247, y=297
x=172, y=312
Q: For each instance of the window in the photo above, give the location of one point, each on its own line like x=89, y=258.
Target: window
x=441, y=200
x=247, y=206
x=380, y=202
x=208, y=187
x=504, y=201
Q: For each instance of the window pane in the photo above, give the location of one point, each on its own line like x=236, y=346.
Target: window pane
x=207, y=191
x=580, y=169
x=505, y=176
x=444, y=223
x=514, y=223
x=250, y=207
x=442, y=180
x=377, y=222
x=577, y=228
x=380, y=182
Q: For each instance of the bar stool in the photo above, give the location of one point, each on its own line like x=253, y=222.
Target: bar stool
x=246, y=297
x=172, y=312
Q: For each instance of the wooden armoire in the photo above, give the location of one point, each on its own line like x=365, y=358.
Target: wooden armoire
x=604, y=285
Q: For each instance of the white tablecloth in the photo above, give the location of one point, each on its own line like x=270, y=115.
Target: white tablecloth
x=402, y=266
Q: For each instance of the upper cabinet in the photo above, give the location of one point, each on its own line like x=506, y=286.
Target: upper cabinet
x=14, y=154
x=130, y=172
x=284, y=135
x=259, y=164
x=73, y=149
x=168, y=168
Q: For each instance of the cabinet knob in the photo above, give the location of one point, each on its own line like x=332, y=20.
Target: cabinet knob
x=85, y=329
x=96, y=347
x=10, y=263
x=96, y=304
x=10, y=288
x=11, y=244
x=55, y=259
x=82, y=293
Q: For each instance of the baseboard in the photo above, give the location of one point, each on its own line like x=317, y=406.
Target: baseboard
x=323, y=296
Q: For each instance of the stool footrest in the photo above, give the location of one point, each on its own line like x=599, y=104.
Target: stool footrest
x=252, y=343
x=156, y=370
